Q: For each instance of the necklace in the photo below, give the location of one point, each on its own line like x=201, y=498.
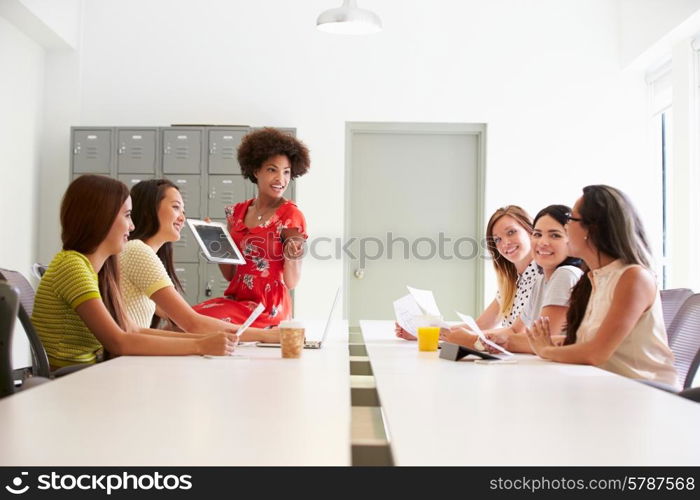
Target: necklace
x=260, y=214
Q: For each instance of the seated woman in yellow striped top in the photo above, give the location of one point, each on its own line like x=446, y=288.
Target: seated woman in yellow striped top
x=78, y=310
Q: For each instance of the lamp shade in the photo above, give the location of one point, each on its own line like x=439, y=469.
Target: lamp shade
x=349, y=19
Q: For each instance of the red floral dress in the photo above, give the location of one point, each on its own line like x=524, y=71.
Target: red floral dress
x=259, y=280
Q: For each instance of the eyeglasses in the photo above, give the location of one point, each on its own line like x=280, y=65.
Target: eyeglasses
x=570, y=217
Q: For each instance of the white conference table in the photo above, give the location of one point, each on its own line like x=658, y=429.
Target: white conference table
x=258, y=409
x=534, y=412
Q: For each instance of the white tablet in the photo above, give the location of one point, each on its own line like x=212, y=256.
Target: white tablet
x=215, y=242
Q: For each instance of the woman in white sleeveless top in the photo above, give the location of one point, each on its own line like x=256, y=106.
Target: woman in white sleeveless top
x=615, y=319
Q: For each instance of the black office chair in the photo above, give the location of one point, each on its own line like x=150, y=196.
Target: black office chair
x=686, y=341
x=40, y=361
x=671, y=302
x=9, y=309
x=692, y=394
x=9, y=305
x=38, y=270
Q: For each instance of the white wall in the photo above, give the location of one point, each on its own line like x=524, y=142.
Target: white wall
x=21, y=99
x=644, y=22
x=61, y=110
x=62, y=17
x=544, y=75
x=53, y=24
x=656, y=34
x=684, y=175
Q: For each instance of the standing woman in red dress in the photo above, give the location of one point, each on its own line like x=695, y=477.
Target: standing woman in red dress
x=269, y=230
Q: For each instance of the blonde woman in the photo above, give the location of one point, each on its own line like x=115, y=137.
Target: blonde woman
x=508, y=241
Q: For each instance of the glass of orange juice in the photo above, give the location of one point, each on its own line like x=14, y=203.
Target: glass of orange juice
x=428, y=337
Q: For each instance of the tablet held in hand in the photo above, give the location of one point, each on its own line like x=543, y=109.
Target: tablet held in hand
x=216, y=242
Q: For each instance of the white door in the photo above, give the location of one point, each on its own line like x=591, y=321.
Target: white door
x=414, y=206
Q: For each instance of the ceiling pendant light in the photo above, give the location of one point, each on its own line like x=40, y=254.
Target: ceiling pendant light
x=349, y=19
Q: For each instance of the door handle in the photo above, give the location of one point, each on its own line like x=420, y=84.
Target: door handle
x=359, y=273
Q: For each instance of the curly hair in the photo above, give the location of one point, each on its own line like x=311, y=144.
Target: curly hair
x=263, y=144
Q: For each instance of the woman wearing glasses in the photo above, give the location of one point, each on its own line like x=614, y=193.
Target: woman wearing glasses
x=615, y=320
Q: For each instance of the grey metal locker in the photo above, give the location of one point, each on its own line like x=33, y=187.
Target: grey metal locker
x=132, y=179
x=287, y=130
x=75, y=176
x=213, y=283
x=226, y=190
x=92, y=150
x=136, y=151
x=191, y=191
x=201, y=161
x=223, y=150
x=186, y=248
x=182, y=150
x=188, y=274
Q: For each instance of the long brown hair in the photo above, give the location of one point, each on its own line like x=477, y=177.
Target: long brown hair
x=614, y=229
x=146, y=197
x=506, y=272
x=89, y=208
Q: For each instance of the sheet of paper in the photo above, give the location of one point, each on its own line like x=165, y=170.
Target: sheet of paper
x=253, y=316
x=425, y=300
x=469, y=321
x=407, y=311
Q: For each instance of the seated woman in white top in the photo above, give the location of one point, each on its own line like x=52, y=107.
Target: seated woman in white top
x=149, y=283
x=615, y=320
x=557, y=275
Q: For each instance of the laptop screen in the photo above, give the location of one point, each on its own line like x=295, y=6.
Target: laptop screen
x=330, y=315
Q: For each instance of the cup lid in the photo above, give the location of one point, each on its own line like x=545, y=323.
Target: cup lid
x=291, y=323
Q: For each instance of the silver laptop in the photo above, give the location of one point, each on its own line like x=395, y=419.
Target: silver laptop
x=313, y=344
